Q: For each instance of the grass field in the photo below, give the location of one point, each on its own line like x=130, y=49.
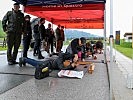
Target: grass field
x=3, y=48
x=67, y=42
x=125, y=51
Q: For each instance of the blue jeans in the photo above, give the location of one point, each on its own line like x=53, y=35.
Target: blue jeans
x=33, y=62
x=37, y=64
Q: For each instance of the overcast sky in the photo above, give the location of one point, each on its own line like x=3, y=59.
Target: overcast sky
x=122, y=19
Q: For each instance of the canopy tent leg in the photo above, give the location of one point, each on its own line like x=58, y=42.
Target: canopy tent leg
x=105, y=60
x=111, y=49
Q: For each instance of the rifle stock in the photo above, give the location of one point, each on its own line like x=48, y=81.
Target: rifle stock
x=83, y=62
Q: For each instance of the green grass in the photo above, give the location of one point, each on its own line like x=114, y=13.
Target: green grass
x=125, y=51
x=67, y=42
x=1, y=39
x=2, y=48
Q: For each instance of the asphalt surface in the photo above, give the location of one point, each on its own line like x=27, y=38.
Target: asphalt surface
x=23, y=87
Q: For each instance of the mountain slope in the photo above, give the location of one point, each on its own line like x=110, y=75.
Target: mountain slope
x=77, y=34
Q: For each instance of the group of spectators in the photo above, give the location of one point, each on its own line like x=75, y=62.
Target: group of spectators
x=48, y=38
x=18, y=26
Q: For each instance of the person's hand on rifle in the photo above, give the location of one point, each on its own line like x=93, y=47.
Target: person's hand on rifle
x=68, y=62
x=74, y=64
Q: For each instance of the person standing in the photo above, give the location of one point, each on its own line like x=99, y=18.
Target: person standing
x=27, y=35
x=12, y=24
x=37, y=36
x=58, y=38
x=50, y=34
x=62, y=36
x=42, y=29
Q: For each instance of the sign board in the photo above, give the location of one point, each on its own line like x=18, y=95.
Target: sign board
x=117, y=38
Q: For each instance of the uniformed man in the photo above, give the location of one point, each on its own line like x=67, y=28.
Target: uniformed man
x=13, y=24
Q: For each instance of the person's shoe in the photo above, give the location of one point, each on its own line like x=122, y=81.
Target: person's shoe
x=40, y=57
x=14, y=62
x=50, y=55
x=24, y=63
x=10, y=63
x=20, y=61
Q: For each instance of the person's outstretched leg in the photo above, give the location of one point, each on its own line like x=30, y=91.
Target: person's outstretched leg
x=30, y=61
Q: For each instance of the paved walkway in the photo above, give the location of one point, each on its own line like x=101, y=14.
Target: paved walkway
x=21, y=87
x=14, y=87
x=121, y=68
x=124, y=63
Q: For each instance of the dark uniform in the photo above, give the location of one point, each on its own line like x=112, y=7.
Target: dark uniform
x=50, y=34
x=13, y=24
x=27, y=35
x=42, y=31
x=37, y=45
x=62, y=36
x=58, y=39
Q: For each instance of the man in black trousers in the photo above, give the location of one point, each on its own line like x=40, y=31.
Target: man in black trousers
x=37, y=37
x=27, y=35
x=13, y=26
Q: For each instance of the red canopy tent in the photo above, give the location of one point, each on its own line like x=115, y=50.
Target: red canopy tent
x=81, y=16
x=84, y=14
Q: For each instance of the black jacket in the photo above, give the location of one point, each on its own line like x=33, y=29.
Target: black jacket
x=73, y=47
x=50, y=34
x=58, y=63
x=27, y=30
x=58, y=34
x=36, y=32
x=42, y=31
x=13, y=21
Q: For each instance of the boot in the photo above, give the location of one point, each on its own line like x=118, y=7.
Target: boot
x=40, y=57
x=21, y=61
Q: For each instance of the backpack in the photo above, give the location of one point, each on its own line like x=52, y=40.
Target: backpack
x=41, y=72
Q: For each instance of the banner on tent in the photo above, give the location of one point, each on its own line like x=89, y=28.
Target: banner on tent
x=65, y=7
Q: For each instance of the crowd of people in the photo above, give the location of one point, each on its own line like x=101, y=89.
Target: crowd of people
x=16, y=25
x=71, y=54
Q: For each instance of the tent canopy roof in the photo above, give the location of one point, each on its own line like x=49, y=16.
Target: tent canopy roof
x=57, y=2
x=84, y=14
